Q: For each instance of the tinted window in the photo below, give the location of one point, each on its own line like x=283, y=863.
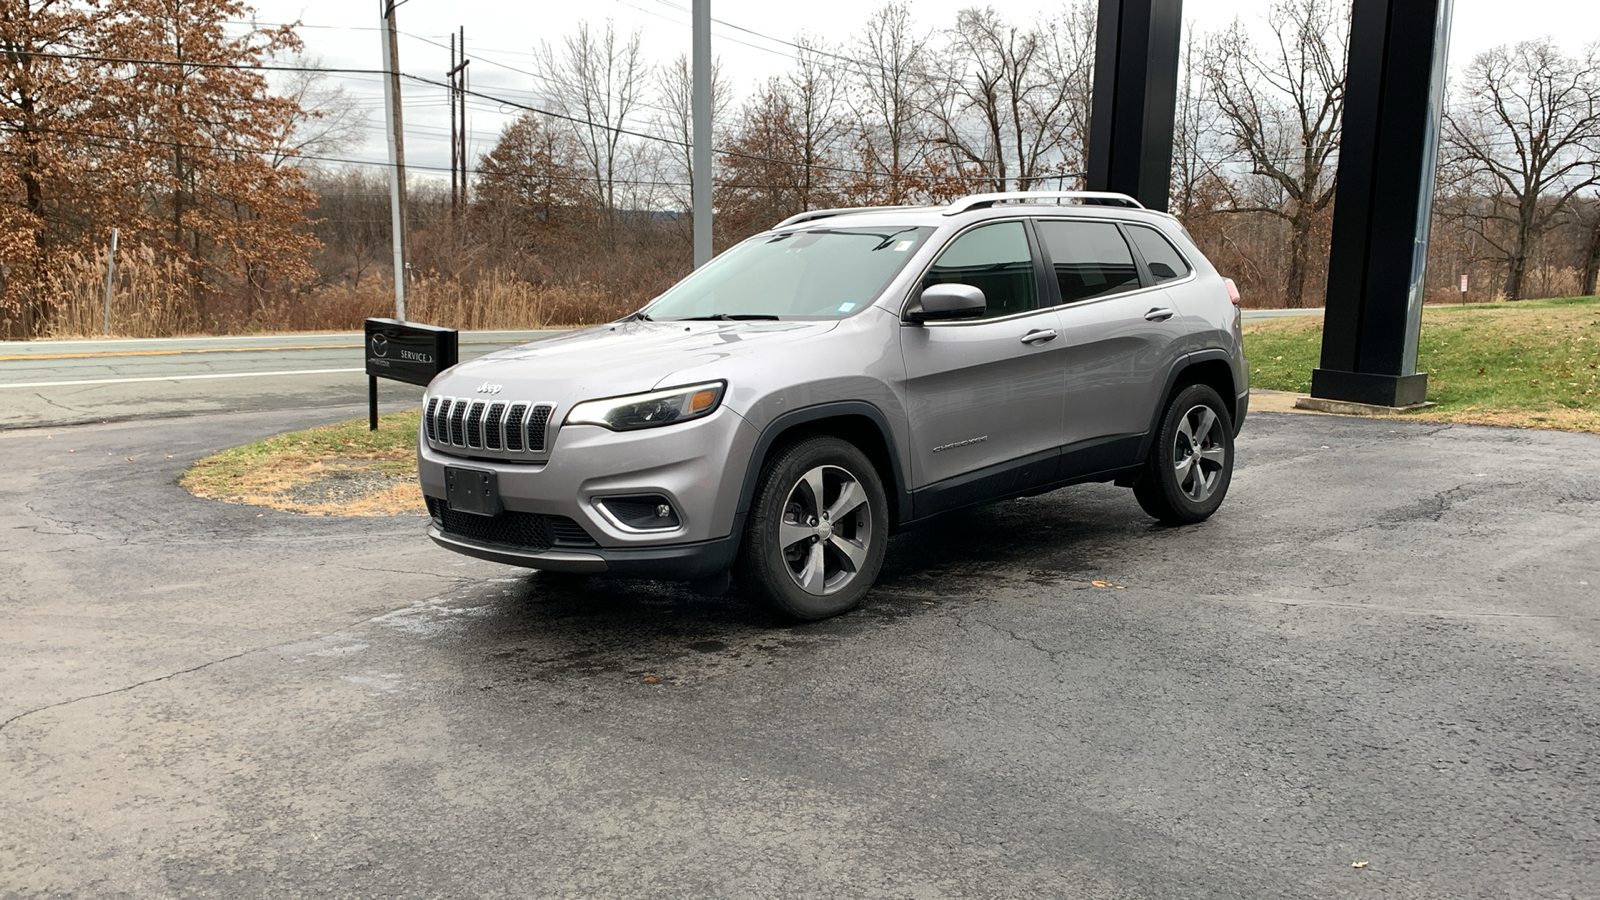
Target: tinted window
x=996, y=260
x=1166, y=263
x=1090, y=259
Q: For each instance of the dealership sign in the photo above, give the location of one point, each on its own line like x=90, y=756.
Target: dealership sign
x=406, y=351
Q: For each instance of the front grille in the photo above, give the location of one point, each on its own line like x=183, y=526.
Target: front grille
x=458, y=433
x=428, y=418
x=491, y=426
x=517, y=530
x=482, y=425
x=516, y=439
x=537, y=419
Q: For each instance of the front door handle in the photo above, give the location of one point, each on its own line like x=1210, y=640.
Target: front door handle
x=1039, y=336
x=1159, y=314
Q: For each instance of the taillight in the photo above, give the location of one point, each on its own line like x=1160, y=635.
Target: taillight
x=1233, y=290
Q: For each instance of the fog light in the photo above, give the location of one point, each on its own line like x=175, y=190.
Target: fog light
x=641, y=512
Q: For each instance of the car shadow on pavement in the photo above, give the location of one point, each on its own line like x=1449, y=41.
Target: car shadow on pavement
x=541, y=626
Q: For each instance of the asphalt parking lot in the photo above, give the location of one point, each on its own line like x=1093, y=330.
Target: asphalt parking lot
x=1383, y=650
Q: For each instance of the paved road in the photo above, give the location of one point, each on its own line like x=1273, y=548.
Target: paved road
x=1382, y=650
x=54, y=383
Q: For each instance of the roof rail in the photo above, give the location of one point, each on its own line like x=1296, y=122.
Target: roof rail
x=825, y=213
x=984, y=201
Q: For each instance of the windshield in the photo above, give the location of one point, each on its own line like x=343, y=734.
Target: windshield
x=813, y=274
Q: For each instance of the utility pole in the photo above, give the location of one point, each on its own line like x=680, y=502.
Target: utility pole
x=458, y=113
x=700, y=180
x=111, y=272
x=450, y=76
x=397, y=149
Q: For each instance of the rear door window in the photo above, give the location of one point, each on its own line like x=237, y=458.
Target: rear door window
x=1089, y=259
x=1164, y=260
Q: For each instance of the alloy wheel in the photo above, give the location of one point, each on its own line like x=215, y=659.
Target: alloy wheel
x=1199, y=452
x=826, y=531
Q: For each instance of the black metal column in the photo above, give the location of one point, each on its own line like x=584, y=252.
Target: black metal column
x=1135, y=90
x=1388, y=151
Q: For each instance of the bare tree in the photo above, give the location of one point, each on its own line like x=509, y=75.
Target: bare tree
x=1009, y=105
x=325, y=120
x=596, y=80
x=887, y=96
x=1282, y=107
x=675, y=102
x=815, y=96
x=1526, y=127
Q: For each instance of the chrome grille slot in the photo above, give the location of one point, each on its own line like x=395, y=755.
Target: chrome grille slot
x=475, y=425
x=515, y=436
x=493, y=436
x=441, y=426
x=427, y=417
x=538, y=418
x=458, y=430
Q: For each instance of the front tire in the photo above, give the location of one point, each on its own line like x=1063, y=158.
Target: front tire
x=1191, y=463
x=817, y=532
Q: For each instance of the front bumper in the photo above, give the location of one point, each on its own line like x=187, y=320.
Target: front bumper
x=698, y=466
x=680, y=562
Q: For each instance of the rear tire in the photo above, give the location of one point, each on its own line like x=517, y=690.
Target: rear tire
x=817, y=532
x=1191, y=462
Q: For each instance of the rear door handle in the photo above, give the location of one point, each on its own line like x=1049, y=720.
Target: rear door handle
x=1159, y=314
x=1039, y=336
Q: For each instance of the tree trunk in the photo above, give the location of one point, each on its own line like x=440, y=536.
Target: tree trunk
x=1517, y=262
x=1591, y=263
x=1299, y=250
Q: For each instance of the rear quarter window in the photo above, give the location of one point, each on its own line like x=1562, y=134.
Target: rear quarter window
x=1164, y=260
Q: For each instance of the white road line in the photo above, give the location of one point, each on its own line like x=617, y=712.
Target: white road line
x=37, y=384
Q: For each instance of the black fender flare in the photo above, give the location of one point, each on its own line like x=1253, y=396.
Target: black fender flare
x=1184, y=362
x=826, y=410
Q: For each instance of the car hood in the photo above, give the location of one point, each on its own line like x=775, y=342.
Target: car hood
x=616, y=359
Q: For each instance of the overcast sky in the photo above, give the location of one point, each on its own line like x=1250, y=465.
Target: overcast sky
x=501, y=36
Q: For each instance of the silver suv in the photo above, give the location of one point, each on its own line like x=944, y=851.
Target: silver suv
x=848, y=373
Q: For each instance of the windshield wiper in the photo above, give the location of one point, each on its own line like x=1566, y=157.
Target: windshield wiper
x=724, y=317
x=640, y=316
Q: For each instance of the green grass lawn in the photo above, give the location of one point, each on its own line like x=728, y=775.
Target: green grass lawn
x=1531, y=364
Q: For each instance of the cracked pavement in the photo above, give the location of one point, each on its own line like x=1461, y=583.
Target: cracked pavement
x=1383, y=649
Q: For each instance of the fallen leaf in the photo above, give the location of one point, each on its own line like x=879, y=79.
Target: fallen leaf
x=127, y=459
x=651, y=679
x=1101, y=583
x=1359, y=865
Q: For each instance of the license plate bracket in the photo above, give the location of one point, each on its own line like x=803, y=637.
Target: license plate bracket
x=473, y=491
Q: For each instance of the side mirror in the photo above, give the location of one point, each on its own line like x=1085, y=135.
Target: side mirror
x=948, y=301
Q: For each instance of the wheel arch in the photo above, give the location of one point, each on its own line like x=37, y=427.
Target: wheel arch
x=858, y=422
x=1208, y=367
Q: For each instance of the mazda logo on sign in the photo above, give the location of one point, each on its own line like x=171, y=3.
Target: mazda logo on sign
x=380, y=345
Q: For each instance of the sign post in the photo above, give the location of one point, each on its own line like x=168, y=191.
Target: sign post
x=408, y=352
x=1463, y=289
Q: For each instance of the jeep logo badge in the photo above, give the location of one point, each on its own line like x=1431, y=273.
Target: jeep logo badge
x=487, y=388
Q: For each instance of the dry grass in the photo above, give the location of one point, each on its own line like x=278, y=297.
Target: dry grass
x=333, y=470
x=152, y=299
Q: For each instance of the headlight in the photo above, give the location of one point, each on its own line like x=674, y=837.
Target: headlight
x=650, y=410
